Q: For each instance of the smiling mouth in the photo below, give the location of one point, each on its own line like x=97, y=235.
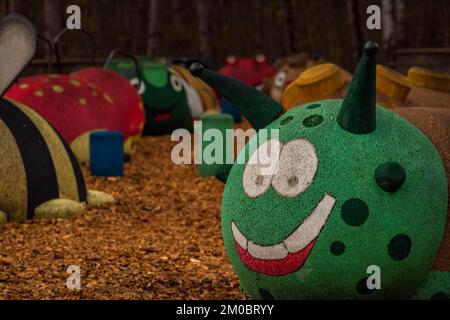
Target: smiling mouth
x=162, y=117
x=290, y=254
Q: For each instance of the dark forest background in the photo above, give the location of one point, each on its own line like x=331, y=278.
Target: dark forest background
x=216, y=28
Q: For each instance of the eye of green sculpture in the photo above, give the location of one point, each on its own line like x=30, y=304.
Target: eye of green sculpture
x=390, y=176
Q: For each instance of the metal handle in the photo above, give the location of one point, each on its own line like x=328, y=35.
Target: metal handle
x=50, y=51
x=137, y=67
x=56, y=45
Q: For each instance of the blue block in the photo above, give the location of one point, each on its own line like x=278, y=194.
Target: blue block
x=229, y=108
x=107, y=157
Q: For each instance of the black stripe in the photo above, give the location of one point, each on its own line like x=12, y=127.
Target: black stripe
x=81, y=185
x=42, y=183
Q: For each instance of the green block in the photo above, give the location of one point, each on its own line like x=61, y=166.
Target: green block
x=214, y=147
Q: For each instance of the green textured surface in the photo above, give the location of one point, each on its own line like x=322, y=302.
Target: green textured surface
x=123, y=67
x=221, y=122
x=357, y=114
x=436, y=286
x=223, y=172
x=156, y=74
x=346, y=170
x=259, y=109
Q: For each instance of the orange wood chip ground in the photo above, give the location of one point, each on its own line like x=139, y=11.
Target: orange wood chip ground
x=161, y=240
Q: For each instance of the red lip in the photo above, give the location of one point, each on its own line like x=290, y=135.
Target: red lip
x=276, y=267
x=162, y=117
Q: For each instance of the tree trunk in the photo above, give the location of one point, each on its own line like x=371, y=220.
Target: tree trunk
x=399, y=23
x=258, y=17
x=387, y=16
x=204, y=28
x=52, y=18
x=153, y=31
x=176, y=12
x=18, y=6
x=354, y=23
x=291, y=45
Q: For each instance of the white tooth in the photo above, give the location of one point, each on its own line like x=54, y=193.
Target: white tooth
x=277, y=251
x=310, y=228
x=238, y=236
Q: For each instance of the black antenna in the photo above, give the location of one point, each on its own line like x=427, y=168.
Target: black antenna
x=61, y=34
x=50, y=51
x=137, y=67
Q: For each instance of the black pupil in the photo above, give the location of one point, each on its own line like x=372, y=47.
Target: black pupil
x=293, y=181
x=259, y=180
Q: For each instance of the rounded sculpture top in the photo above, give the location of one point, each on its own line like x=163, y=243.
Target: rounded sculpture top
x=371, y=48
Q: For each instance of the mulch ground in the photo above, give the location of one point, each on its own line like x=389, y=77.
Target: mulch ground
x=160, y=240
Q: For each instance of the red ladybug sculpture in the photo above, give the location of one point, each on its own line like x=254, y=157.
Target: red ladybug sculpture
x=93, y=99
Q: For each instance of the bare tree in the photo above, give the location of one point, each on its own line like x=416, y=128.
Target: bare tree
x=153, y=31
x=204, y=27
x=52, y=18
x=289, y=25
x=354, y=23
x=176, y=13
x=399, y=17
x=18, y=6
x=388, y=13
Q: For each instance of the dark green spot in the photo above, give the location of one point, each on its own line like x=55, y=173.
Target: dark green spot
x=313, y=121
x=440, y=296
x=399, y=247
x=286, y=120
x=313, y=106
x=390, y=176
x=266, y=294
x=337, y=248
x=354, y=212
x=361, y=287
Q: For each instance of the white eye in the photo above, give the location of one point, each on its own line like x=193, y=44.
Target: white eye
x=280, y=79
x=297, y=168
x=140, y=88
x=176, y=83
x=260, y=168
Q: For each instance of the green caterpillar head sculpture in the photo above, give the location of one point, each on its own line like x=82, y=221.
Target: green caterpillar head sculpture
x=355, y=186
x=164, y=96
